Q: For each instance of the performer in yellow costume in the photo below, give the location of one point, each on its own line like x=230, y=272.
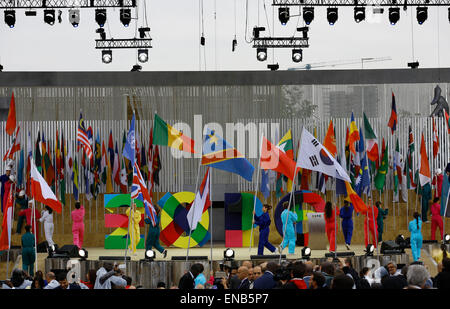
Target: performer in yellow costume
x=134, y=231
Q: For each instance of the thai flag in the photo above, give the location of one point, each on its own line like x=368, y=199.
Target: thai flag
x=139, y=191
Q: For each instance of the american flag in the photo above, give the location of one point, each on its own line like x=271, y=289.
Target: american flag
x=82, y=138
x=139, y=191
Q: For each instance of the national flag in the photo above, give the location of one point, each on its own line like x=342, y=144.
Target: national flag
x=265, y=190
x=219, y=154
x=347, y=147
x=129, y=150
x=144, y=166
x=393, y=118
x=29, y=155
x=111, y=148
x=7, y=223
x=123, y=179
x=447, y=120
x=116, y=168
x=424, y=170
x=156, y=166
x=286, y=145
x=435, y=140
x=363, y=180
x=11, y=121
x=314, y=156
x=109, y=184
x=353, y=135
x=445, y=201
x=41, y=192
x=398, y=160
x=279, y=185
x=409, y=162
x=20, y=169
x=330, y=140
x=166, y=135
x=272, y=158
x=139, y=191
x=103, y=164
x=380, y=177
x=47, y=167
x=15, y=145
x=321, y=183
x=371, y=140
x=394, y=167
x=353, y=198
x=57, y=154
x=201, y=202
x=83, y=139
x=138, y=150
x=37, y=152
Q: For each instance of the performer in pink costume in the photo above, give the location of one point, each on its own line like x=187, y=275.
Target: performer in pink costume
x=78, y=224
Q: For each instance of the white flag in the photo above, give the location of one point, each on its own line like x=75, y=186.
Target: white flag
x=314, y=156
x=200, y=203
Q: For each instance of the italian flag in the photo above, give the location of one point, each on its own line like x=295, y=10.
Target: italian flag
x=371, y=140
x=165, y=135
x=40, y=190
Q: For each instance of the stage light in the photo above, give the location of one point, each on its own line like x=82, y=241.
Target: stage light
x=136, y=68
x=150, y=255
x=256, y=31
x=422, y=14
x=74, y=17
x=273, y=67
x=359, y=14
x=107, y=56
x=369, y=250
x=306, y=253
x=283, y=15
x=125, y=17
x=51, y=251
x=446, y=239
x=142, y=31
x=10, y=18
x=228, y=254
x=394, y=15
x=49, y=17
x=100, y=17
x=261, y=54
x=143, y=55
x=297, y=55
x=332, y=15
x=308, y=15
x=83, y=254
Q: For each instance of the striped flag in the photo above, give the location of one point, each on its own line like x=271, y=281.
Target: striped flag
x=447, y=120
x=435, y=140
x=201, y=202
x=82, y=138
x=393, y=119
x=15, y=146
x=139, y=191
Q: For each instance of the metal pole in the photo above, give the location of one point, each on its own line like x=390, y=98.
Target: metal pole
x=192, y=217
x=35, y=236
x=335, y=219
x=256, y=193
x=210, y=199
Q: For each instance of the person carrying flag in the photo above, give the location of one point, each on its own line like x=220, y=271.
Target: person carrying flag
x=28, y=213
x=346, y=213
x=264, y=228
x=380, y=218
x=28, y=251
x=330, y=228
x=288, y=218
x=3, y=179
x=135, y=234
x=22, y=202
x=153, y=234
x=438, y=180
x=370, y=225
x=436, y=219
x=415, y=227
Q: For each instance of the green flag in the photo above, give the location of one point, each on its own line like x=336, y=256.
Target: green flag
x=380, y=178
x=394, y=166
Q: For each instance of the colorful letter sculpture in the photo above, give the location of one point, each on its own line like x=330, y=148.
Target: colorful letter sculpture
x=301, y=227
x=174, y=223
x=238, y=218
x=118, y=238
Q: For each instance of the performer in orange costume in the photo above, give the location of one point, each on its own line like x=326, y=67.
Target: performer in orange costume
x=369, y=215
x=330, y=227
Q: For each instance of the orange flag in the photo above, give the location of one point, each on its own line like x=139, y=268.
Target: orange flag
x=11, y=122
x=424, y=172
x=330, y=140
x=353, y=198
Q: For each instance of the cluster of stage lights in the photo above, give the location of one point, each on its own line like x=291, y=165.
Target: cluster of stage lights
x=74, y=17
x=359, y=14
x=261, y=54
x=107, y=56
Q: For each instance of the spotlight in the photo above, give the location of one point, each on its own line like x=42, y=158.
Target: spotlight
x=283, y=15
x=74, y=17
x=256, y=31
x=369, y=250
x=49, y=17
x=308, y=15
x=125, y=17
x=446, y=239
x=142, y=32
x=261, y=54
x=51, y=251
x=422, y=14
x=10, y=18
x=306, y=253
x=359, y=14
x=136, y=68
x=143, y=55
x=332, y=15
x=83, y=254
x=107, y=56
x=297, y=55
x=102, y=33
x=228, y=254
x=149, y=255
x=100, y=17
x=394, y=15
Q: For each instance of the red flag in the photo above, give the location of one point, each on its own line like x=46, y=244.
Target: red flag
x=435, y=140
x=41, y=192
x=15, y=146
x=393, y=119
x=272, y=158
x=353, y=198
x=447, y=120
x=330, y=140
x=5, y=237
x=424, y=172
x=11, y=122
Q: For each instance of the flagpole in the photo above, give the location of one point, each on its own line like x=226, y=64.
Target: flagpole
x=195, y=194
x=445, y=212
x=335, y=220
x=211, y=234
x=33, y=214
x=256, y=193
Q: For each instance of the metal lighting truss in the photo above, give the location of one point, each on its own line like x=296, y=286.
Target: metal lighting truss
x=334, y=3
x=269, y=42
x=123, y=43
x=60, y=4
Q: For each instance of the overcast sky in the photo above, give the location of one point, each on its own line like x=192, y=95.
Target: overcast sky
x=33, y=45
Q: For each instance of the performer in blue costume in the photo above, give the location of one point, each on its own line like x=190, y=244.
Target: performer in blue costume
x=415, y=227
x=264, y=228
x=290, y=236
x=346, y=214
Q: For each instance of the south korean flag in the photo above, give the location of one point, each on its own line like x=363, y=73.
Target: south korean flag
x=314, y=156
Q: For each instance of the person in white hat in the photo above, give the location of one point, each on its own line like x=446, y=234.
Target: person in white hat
x=438, y=179
x=3, y=179
x=22, y=202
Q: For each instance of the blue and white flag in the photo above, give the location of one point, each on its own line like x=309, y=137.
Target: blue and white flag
x=129, y=151
x=265, y=190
